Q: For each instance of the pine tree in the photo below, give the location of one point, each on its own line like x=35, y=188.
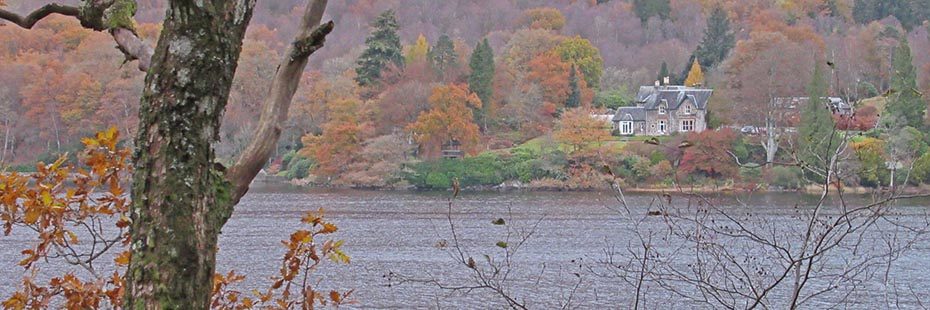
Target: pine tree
x=864, y=11
x=718, y=40
x=383, y=48
x=481, y=79
x=574, y=99
x=834, y=8
x=417, y=51
x=663, y=73
x=646, y=9
x=815, y=139
x=695, y=76
x=679, y=78
x=443, y=57
x=906, y=107
x=910, y=13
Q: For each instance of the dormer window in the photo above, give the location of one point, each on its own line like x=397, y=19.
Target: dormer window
x=688, y=109
x=663, y=109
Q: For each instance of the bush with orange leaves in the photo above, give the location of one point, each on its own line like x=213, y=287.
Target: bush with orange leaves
x=57, y=211
x=292, y=287
x=79, y=214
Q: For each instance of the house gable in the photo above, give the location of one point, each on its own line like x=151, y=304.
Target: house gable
x=662, y=110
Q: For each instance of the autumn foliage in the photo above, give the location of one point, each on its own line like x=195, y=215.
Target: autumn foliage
x=864, y=119
x=551, y=74
x=709, y=154
x=79, y=213
x=450, y=117
x=52, y=92
x=578, y=129
x=695, y=75
x=65, y=217
x=306, y=251
x=341, y=139
x=543, y=18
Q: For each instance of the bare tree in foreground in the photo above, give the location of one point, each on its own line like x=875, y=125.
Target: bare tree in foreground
x=499, y=274
x=181, y=198
x=692, y=249
x=830, y=252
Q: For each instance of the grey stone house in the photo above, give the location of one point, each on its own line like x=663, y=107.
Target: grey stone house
x=664, y=110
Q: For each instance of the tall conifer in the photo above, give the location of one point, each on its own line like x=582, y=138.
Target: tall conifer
x=383, y=48
x=906, y=107
x=481, y=79
x=574, y=98
x=718, y=39
x=816, y=134
x=443, y=57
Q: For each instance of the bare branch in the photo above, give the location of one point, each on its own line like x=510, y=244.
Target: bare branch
x=276, y=105
x=30, y=20
x=133, y=47
x=126, y=39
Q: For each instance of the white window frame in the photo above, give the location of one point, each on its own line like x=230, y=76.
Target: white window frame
x=663, y=127
x=626, y=128
x=663, y=109
x=687, y=125
x=688, y=109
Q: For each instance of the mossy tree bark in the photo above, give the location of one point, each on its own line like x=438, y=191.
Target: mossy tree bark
x=181, y=199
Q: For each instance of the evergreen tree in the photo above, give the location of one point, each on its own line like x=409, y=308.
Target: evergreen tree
x=683, y=74
x=574, y=99
x=443, y=57
x=383, y=48
x=904, y=115
x=834, y=8
x=815, y=139
x=663, y=73
x=906, y=107
x=646, y=9
x=910, y=13
x=718, y=40
x=481, y=79
x=864, y=11
x=695, y=76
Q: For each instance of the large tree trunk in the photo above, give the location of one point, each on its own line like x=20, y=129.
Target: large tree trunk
x=181, y=199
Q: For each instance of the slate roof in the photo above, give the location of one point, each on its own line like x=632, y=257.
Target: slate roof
x=636, y=114
x=651, y=97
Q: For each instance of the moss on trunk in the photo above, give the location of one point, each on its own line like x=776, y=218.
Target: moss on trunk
x=181, y=200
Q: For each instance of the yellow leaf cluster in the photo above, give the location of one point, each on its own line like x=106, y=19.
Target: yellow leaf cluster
x=418, y=51
x=695, y=75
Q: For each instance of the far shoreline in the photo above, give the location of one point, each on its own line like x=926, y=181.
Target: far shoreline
x=812, y=189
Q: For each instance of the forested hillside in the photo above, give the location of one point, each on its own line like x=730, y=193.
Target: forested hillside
x=400, y=78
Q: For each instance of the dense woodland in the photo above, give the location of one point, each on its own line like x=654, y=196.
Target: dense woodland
x=514, y=82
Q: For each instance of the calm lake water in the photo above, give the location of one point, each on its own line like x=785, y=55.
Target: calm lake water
x=402, y=233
